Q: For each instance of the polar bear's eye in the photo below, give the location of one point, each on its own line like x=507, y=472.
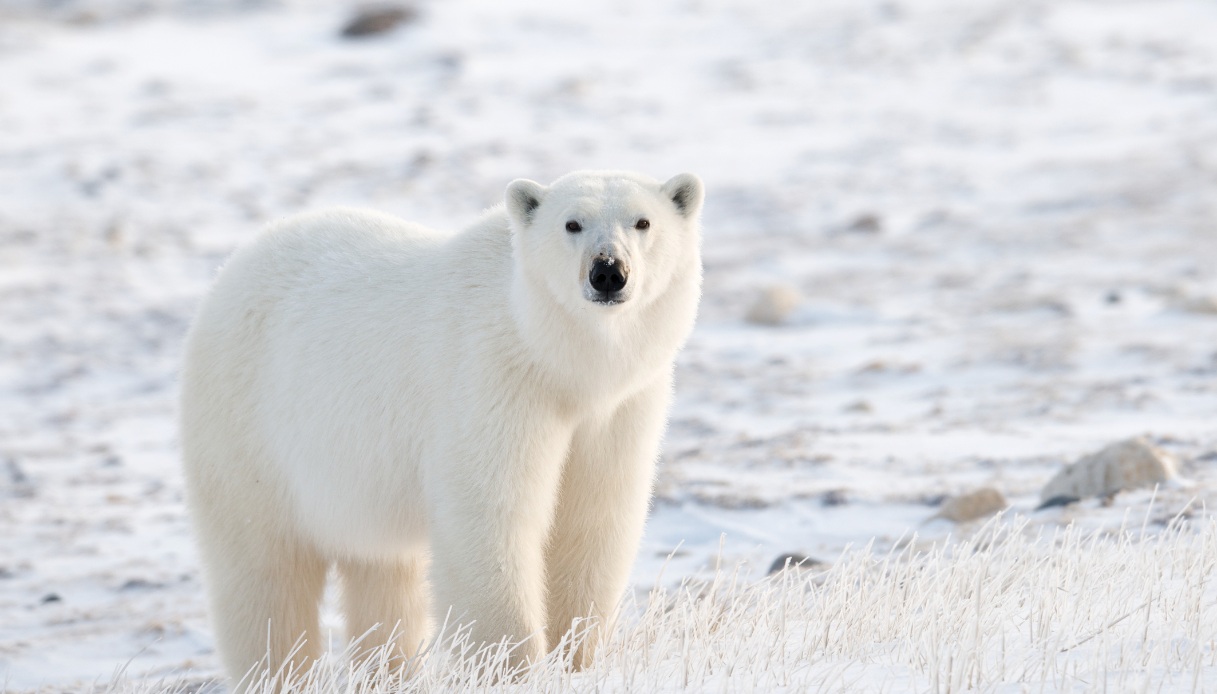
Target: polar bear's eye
x=643, y=224
x=572, y=226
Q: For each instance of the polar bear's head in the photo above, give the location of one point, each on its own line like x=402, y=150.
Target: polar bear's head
x=606, y=241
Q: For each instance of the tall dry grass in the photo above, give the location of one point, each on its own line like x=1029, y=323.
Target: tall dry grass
x=1008, y=609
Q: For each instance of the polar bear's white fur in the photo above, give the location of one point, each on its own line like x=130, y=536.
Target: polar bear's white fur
x=474, y=412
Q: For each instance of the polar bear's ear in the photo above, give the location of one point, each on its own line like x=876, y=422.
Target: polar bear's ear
x=686, y=192
x=523, y=198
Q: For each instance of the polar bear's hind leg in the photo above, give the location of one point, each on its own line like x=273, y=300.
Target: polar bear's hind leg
x=386, y=600
x=265, y=597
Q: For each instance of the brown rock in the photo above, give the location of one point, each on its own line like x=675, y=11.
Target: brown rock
x=773, y=305
x=867, y=223
x=982, y=503
x=1205, y=305
x=371, y=21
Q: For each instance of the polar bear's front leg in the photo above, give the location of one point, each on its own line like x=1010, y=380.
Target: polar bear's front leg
x=492, y=496
x=602, y=506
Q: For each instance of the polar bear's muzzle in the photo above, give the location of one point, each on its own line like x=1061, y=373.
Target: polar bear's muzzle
x=607, y=279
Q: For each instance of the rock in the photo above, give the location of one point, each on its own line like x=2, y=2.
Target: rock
x=13, y=480
x=14, y=472
x=834, y=497
x=866, y=224
x=83, y=18
x=140, y=584
x=1063, y=500
x=934, y=500
x=982, y=503
x=792, y=560
x=1204, y=305
x=1130, y=464
x=371, y=21
x=773, y=305
x=880, y=366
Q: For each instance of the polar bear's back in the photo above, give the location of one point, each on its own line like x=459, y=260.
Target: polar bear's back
x=315, y=355
x=337, y=243
x=313, y=275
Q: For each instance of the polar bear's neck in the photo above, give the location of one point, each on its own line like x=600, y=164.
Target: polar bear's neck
x=598, y=350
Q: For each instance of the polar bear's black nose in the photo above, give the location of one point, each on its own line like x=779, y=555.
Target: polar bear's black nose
x=608, y=276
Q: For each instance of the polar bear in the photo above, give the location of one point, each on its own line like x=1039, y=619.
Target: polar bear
x=466, y=425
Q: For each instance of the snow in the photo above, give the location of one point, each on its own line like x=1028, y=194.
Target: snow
x=1041, y=180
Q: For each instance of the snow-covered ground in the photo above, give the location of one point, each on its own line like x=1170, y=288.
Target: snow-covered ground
x=1001, y=217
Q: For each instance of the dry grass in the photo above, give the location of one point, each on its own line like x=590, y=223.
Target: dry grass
x=1006, y=610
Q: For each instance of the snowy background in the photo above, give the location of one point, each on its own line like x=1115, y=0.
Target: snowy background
x=1000, y=218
